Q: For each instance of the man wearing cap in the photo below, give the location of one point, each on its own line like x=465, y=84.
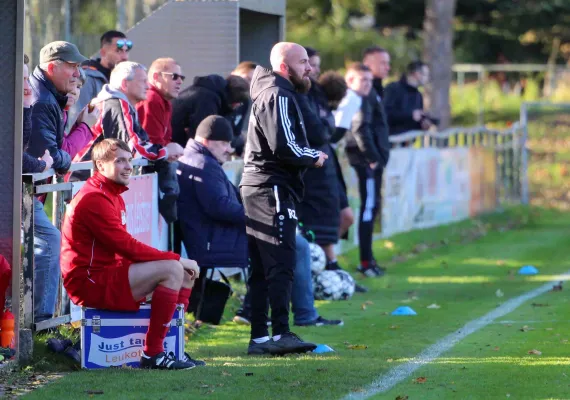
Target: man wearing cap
x=57, y=75
x=211, y=215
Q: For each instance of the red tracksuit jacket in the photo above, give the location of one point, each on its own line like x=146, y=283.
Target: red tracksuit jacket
x=94, y=234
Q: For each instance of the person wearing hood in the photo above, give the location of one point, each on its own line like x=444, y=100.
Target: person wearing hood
x=119, y=120
x=115, y=48
x=405, y=103
x=276, y=156
x=56, y=75
x=208, y=95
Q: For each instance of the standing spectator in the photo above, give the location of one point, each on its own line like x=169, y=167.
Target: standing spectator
x=276, y=156
x=378, y=60
x=115, y=48
x=31, y=164
x=80, y=133
x=118, y=120
x=241, y=113
x=405, y=103
x=155, y=115
x=57, y=75
x=365, y=155
x=208, y=95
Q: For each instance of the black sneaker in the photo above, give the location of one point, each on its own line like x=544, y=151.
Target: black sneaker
x=360, y=289
x=163, y=361
x=187, y=358
x=333, y=266
x=290, y=343
x=368, y=272
x=74, y=352
x=378, y=270
x=259, y=349
x=58, y=345
x=320, y=321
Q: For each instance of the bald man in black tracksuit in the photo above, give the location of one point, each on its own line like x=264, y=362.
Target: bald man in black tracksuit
x=276, y=156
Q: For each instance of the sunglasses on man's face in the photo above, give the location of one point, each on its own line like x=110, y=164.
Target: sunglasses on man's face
x=124, y=43
x=175, y=76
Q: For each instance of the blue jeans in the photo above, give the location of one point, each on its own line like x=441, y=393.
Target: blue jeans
x=302, y=299
x=47, y=244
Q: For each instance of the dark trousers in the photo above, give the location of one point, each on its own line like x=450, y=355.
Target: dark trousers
x=271, y=233
x=168, y=185
x=369, y=185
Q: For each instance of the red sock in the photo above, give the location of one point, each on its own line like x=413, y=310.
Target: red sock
x=184, y=297
x=364, y=264
x=161, y=311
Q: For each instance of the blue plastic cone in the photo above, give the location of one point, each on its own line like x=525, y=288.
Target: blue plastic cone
x=528, y=270
x=404, y=310
x=323, y=348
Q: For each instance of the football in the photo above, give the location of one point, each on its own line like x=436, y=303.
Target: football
x=318, y=258
x=347, y=284
x=327, y=286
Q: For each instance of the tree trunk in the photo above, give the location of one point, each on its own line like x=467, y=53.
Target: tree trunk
x=438, y=54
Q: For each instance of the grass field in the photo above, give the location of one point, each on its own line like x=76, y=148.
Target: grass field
x=462, y=268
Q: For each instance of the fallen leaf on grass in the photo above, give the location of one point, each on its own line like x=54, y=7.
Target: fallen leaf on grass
x=508, y=325
x=534, y=351
x=402, y=398
x=496, y=348
x=500, y=262
x=388, y=244
x=224, y=373
x=394, y=327
x=564, y=341
x=540, y=305
x=499, y=293
x=91, y=392
x=297, y=383
x=526, y=328
x=357, y=347
x=368, y=302
x=434, y=306
x=363, y=307
x=549, y=329
x=390, y=360
x=421, y=379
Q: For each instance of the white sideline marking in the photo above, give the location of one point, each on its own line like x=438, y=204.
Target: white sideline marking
x=396, y=375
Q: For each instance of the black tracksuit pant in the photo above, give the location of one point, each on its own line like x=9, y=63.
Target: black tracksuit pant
x=271, y=232
x=369, y=185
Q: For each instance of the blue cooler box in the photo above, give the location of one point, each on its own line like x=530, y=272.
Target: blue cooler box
x=114, y=339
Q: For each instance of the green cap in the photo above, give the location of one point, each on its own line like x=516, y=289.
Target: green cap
x=61, y=50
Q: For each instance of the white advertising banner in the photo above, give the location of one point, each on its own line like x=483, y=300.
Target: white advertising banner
x=425, y=188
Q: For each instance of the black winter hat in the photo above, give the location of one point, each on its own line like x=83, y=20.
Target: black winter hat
x=215, y=127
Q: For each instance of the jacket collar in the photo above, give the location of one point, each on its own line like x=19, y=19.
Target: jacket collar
x=40, y=75
x=193, y=147
x=157, y=92
x=105, y=183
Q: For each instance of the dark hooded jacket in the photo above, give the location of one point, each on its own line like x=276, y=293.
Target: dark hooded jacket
x=401, y=99
x=207, y=96
x=319, y=212
x=276, y=151
x=211, y=215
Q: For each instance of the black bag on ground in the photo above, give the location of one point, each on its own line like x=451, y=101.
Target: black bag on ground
x=216, y=294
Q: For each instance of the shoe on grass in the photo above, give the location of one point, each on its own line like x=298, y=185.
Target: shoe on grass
x=320, y=321
x=164, y=361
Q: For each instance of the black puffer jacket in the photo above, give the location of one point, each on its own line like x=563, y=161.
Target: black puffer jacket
x=400, y=100
x=47, y=121
x=207, y=96
x=319, y=211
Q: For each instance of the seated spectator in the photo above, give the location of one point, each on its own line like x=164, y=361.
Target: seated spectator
x=302, y=297
x=104, y=267
x=118, y=119
x=209, y=95
x=115, y=48
x=57, y=75
x=212, y=218
x=404, y=103
x=155, y=113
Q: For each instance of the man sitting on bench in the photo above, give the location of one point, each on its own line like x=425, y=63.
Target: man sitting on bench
x=104, y=267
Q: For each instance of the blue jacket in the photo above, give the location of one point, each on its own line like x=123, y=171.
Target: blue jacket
x=210, y=212
x=47, y=121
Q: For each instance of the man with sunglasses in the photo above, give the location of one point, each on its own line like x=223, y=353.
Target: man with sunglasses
x=115, y=48
x=155, y=113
